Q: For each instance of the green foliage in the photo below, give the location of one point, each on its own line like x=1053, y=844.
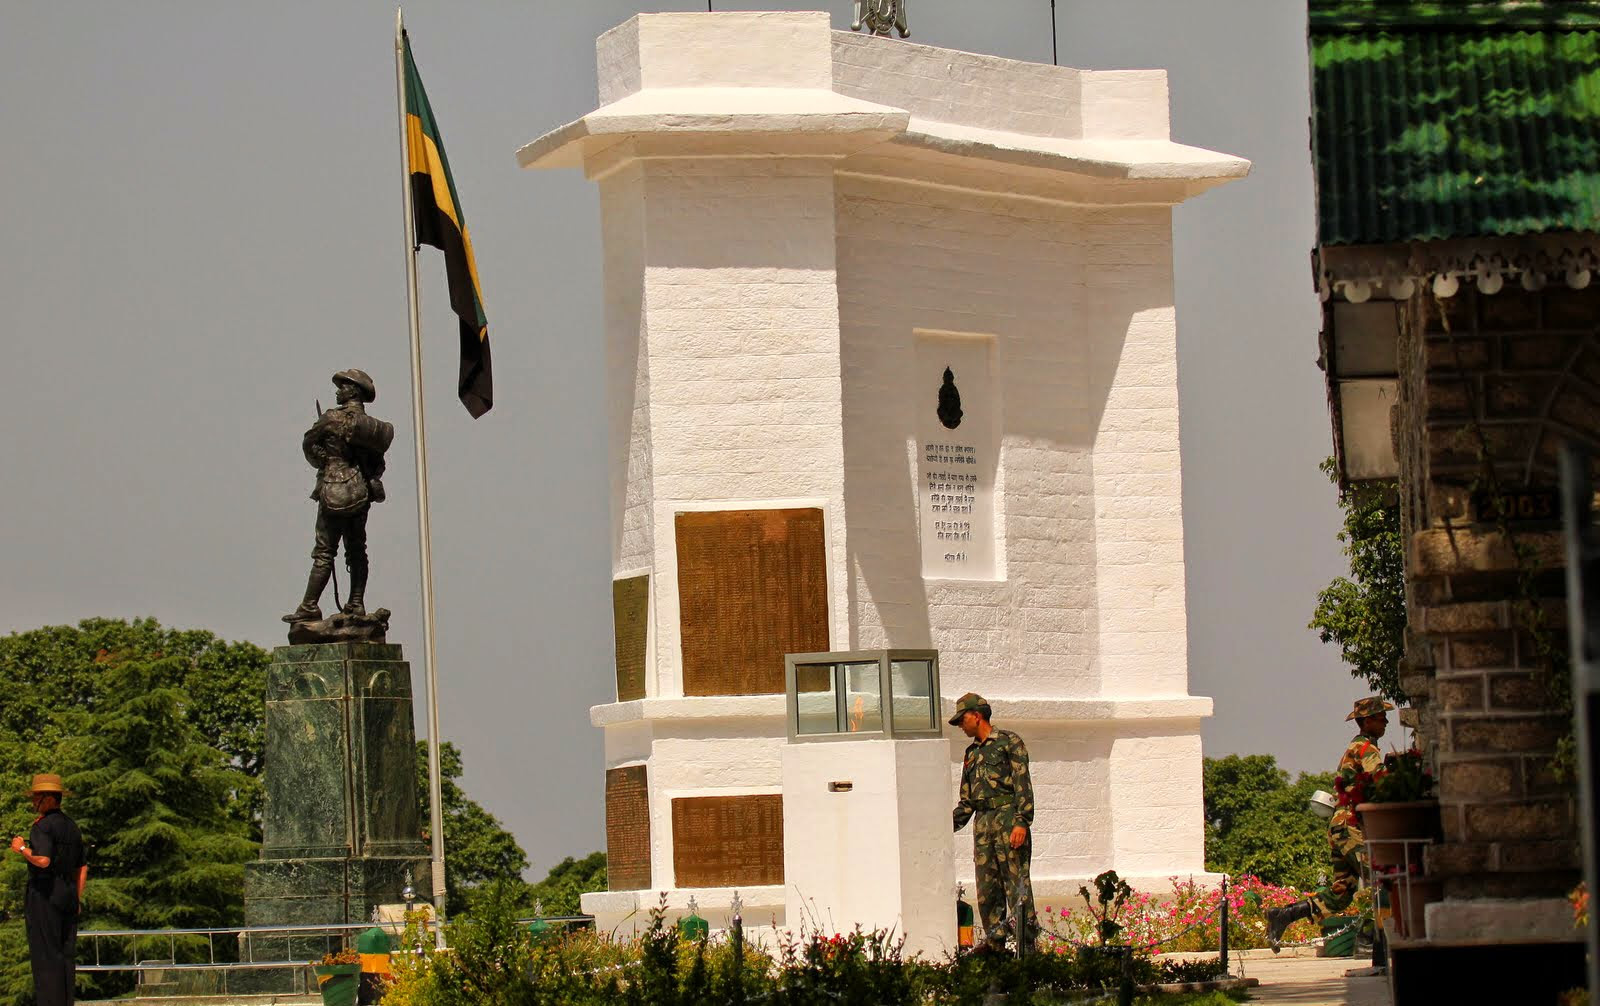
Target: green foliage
x=479, y=852
x=1111, y=894
x=1193, y=999
x=1365, y=613
x=495, y=961
x=1205, y=969
x=1404, y=778
x=49, y=672
x=1186, y=920
x=159, y=733
x=557, y=894
x=1258, y=822
x=155, y=804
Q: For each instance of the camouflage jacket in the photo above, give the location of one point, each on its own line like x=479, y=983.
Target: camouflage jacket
x=1361, y=756
x=994, y=777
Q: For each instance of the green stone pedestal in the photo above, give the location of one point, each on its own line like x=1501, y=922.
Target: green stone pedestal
x=341, y=822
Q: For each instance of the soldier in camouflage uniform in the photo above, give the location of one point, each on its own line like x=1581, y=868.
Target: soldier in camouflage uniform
x=997, y=792
x=1346, y=844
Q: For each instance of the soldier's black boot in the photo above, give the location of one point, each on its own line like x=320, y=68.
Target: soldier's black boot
x=357, y=605
x=1279, y=919
x=310, y=610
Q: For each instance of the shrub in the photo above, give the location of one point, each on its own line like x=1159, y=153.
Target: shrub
x=1188, y=919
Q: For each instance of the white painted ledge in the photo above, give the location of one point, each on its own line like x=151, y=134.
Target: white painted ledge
x=771, y=707
x=1121, y=160
x=631, y=909
x=710, y=110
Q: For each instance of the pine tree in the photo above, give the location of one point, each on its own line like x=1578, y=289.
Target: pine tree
x=166, y=849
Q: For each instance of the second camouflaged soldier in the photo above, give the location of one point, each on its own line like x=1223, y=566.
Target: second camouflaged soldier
x=997, y=796
x=1347, y=848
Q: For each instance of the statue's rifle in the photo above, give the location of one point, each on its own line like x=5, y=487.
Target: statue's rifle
x=335, y=570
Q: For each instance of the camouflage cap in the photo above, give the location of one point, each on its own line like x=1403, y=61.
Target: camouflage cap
x=966, y=704
x=369, y=391
x=1372, y=705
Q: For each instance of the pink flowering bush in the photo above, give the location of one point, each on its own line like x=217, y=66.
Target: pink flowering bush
x=1186, y=919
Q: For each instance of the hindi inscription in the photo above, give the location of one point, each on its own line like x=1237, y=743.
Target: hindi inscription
x=630, y=622
x=728, y=841
x=752, y=587
x=627, y=829
x=956, y=454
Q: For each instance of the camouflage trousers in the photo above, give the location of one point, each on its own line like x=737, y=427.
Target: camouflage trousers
x=1347, y=854
x=1005, y=889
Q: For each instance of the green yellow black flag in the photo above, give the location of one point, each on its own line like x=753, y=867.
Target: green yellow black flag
x=440, y=223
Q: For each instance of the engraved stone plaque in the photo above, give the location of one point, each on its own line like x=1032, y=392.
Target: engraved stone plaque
x=957, y=451
x=752, y=586
x=627, y=829
x=728, y=841
x=630, y=620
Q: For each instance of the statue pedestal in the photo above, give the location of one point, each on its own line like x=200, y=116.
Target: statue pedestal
x=341, y=823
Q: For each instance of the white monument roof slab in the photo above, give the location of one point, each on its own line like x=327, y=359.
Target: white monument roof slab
x=775, y=79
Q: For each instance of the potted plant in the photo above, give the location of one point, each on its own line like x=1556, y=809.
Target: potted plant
x=1398, y=816
x=1397, y=809
x=339, y=977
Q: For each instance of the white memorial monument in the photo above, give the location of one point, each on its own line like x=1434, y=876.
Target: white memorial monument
x=892, y=356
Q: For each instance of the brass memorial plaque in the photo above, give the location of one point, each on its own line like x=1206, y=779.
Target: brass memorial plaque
x=728, y=841
x=752, y=586
x=627, y=829
x=630, y=621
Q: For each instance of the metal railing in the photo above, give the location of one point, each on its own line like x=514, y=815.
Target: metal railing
x=287, y=947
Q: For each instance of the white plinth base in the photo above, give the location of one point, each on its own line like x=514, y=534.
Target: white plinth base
x=628, y=912
x=876, y=854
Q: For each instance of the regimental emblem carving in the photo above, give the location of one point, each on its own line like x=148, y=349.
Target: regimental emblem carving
x=949, y=401
x=881, y=15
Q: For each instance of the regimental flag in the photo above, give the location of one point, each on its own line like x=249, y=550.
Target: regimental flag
x=440, y=223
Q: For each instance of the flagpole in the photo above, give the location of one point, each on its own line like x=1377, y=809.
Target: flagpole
x=424, y=538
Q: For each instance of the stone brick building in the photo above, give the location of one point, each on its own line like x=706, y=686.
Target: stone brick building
x=1458, y=180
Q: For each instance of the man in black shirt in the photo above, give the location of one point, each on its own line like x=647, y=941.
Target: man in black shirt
x=56, y=875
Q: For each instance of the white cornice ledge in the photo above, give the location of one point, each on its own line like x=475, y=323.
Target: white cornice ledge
x=711, y=110
x=1121, y=160
x=1087, y=710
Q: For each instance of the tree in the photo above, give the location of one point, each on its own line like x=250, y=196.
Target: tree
x=156, y=804
x=159, y=807
x=557, y=894
x=478, y=851
x=1365, y=613
x=46, y=673
x=1258, y=822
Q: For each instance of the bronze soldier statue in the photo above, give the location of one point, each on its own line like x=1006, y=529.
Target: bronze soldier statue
x=346, y=447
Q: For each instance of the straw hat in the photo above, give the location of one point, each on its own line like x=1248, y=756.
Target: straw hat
x=47, y=782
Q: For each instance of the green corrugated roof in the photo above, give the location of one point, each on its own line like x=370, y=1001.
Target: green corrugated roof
x=1437, y=121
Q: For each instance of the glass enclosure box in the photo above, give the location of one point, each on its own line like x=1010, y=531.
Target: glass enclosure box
x=862, y=694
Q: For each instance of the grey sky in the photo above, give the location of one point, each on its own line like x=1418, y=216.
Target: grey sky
x=201, y=222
